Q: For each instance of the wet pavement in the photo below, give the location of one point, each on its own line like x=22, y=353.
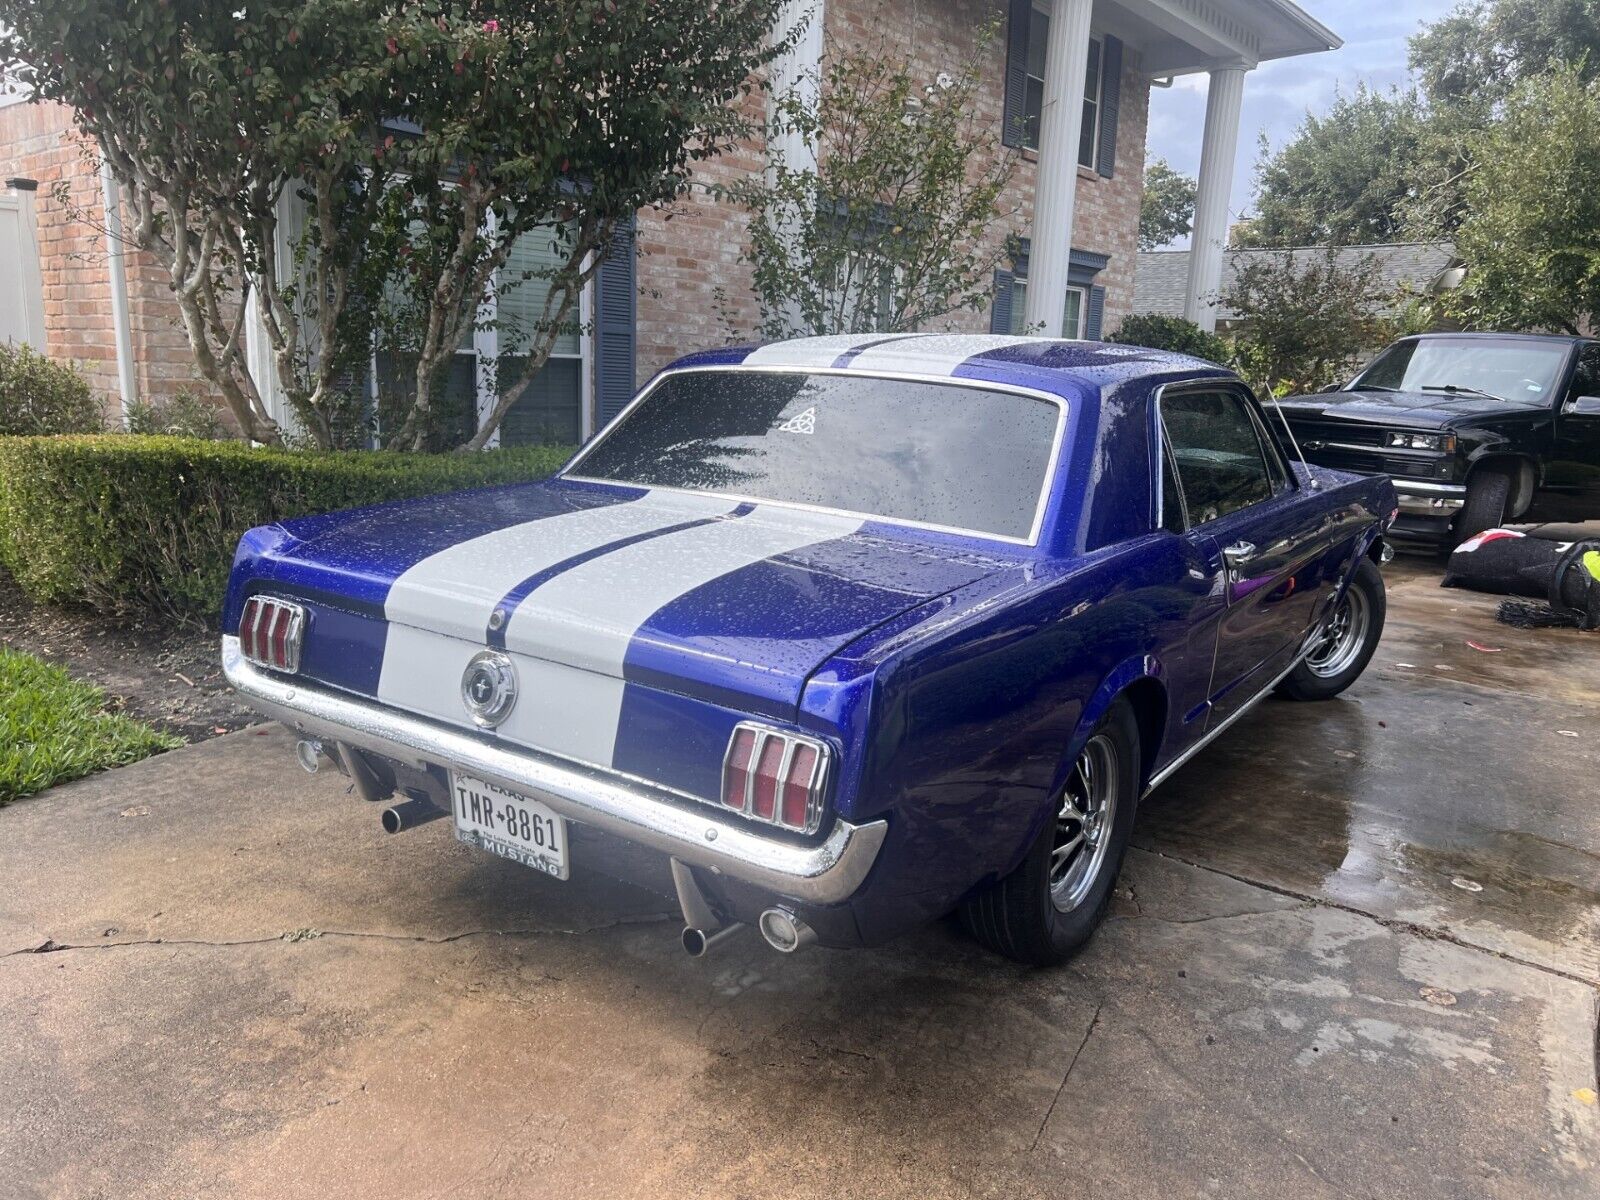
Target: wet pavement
x=1354, y=955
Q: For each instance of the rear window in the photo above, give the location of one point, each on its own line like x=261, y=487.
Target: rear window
x=949, y=455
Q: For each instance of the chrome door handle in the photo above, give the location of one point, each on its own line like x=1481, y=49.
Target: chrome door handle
x=1239, y=553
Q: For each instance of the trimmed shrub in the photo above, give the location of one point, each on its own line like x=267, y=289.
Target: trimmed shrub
x=148, y=525
x=39, y=395
x=1177, y=334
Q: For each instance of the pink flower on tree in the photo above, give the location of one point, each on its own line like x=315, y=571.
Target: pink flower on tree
x=491, y=26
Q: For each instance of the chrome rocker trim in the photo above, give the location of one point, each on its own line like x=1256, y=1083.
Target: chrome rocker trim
x=1211, y=735
x=827, y=873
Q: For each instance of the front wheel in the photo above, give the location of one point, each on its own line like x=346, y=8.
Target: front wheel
x=1045, y=910
x=1346, y=642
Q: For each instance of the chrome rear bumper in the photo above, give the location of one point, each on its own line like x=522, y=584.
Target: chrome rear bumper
x=826, y=873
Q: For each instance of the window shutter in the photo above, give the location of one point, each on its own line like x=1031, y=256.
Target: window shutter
x=616, y=317
x=1095, y=317
x=1110, y=100
x=1019, y=15
x=1000, y=315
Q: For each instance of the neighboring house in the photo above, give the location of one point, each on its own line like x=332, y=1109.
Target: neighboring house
x=1073, y=204
x=1408, y=271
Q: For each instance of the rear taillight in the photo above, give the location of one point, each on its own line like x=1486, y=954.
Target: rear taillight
x=775, y=777
x=270, y=632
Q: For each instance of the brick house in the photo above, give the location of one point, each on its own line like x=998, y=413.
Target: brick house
x=1075, y=198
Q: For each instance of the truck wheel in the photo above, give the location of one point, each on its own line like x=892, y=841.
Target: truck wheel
x=1348, y=640
x=1488, y=494
x=1045, y=910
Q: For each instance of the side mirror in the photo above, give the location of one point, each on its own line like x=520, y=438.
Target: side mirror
x=1584, y=406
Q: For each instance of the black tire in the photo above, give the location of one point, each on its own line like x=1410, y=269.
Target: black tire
x=1327, y=671
x=1488, y=495
x=1018, y=916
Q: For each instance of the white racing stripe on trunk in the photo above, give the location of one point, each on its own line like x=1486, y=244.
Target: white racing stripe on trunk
x=939, y=354
x=571, y=636
x=811, y=351
x=453, y=592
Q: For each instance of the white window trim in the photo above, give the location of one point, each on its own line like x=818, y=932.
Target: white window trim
x=1019, y=303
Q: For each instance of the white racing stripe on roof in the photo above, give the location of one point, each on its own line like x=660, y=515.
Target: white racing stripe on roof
x=570, y=637
x=811, y=351
x=936, y=354
x=454, y=591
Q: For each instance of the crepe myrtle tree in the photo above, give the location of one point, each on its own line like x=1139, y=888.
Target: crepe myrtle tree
x=890, y=230
x=424, y=139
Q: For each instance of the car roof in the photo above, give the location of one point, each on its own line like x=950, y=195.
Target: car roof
x=1563, y=339
x=1058, y=365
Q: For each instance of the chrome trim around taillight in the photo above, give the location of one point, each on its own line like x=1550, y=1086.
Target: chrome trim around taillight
x=816, y=792
x=260, y=616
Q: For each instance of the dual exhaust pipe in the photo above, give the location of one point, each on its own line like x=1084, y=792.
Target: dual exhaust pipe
x=778, y=927
x=408, y=814
x=703, y=930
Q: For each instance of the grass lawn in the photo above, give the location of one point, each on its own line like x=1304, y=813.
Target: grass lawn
x=54, y=728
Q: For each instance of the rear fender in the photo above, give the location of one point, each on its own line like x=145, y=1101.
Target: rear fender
x=1130, y=673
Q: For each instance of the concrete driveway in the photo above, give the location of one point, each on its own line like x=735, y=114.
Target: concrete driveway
x=1356, y=955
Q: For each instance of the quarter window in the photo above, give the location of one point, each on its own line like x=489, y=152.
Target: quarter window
x=1217, y=449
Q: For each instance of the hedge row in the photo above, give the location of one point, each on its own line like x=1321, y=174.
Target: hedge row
x=149, y=524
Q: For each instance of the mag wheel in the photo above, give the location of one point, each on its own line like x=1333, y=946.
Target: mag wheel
x=1050, y=905
x=1346, y=642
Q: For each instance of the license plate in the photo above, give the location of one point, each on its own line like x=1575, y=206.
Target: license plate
x=513, y=826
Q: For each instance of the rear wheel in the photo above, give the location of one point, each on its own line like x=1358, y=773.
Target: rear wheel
x=1047, y=909
x=1488, y=495
x=1347, y=641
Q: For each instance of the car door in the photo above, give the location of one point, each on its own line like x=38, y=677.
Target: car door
x=1238, y=492
x=1572, y=476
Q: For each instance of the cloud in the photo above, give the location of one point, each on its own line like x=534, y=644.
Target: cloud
x=1277, y=95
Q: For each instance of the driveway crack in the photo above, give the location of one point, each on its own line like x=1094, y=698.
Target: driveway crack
x=1396, y=924
x=1094, y=1022
x=51, y=946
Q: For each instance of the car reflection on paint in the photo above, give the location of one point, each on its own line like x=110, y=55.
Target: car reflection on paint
x=854, y=631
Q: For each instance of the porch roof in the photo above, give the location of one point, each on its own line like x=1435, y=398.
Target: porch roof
x=1177, y=37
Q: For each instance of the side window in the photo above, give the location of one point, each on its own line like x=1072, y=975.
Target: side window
x=1586, y=378
x=1277, y=470
x=1217, y=451
x=1172, y=518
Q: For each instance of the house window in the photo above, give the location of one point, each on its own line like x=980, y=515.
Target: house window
x=490, y=356
x=1033, y=102
x=1072, y=317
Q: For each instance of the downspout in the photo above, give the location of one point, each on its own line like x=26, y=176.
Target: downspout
x=116, y=267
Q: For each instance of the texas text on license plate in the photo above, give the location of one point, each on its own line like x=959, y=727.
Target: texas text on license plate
x=512, y=826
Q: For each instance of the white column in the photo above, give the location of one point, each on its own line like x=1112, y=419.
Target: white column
x=1060, y=126
x=117, y=269
x=1224, y=100
x=796, y=74
x=798, y=71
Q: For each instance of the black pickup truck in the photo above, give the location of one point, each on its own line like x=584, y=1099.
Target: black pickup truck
x=1475, y=429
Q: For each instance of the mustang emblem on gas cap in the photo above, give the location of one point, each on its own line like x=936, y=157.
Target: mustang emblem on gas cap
x=489, y=687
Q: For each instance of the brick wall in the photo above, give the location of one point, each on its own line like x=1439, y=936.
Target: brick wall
x=38, y=141
x=685, y=258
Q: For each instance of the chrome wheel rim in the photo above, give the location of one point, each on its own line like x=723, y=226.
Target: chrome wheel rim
x=1083, y=824
x=1342, y=637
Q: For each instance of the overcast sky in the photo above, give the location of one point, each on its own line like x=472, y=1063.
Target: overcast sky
x=1277, y=94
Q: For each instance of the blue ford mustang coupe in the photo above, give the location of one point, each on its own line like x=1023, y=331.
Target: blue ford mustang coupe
x=855, y=631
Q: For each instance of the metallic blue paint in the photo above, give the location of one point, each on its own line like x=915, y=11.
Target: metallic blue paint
x=956, y=677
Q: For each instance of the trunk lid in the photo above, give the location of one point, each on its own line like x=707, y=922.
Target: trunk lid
x=735, y=603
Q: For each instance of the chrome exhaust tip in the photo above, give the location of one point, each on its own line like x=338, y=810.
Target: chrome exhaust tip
x=310, y=755
x=698, y=943
x=784, y=931
x=408, y=814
